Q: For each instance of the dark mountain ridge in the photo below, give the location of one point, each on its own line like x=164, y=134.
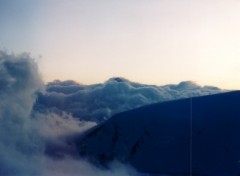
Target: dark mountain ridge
x=195, y=135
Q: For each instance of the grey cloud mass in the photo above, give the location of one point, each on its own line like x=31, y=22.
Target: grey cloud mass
x=26, y=137
x=38, y=122
x=19, y=142
x=99, y=102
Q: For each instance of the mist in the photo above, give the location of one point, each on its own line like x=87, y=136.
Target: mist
x=99, y=102
x=39, y=123
x=27, y=138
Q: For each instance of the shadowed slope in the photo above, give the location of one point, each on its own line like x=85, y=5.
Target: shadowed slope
x=157, y=138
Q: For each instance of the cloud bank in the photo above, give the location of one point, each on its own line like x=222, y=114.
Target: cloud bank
x=99, y=102
x=19, y=143
x=35, y=144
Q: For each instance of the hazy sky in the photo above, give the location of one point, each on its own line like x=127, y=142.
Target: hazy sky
x=150, y=41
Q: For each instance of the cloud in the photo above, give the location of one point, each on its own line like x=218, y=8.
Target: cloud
x=71, y=167
x=40, y=141
x=19, y=143
x=35, y=144
x=99, y=102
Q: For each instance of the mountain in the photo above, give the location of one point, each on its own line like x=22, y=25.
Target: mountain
x=196, y=135
x=99, y=102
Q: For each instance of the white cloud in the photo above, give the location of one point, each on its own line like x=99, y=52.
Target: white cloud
x=37, y=144
x=98, y=102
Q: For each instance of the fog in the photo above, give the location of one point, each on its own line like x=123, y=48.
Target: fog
x=98, y=102
x=26, y=137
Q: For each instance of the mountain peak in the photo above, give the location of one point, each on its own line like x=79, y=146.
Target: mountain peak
x=118, y=79
x=187, y=85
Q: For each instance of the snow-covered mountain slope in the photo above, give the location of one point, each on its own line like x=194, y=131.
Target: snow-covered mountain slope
x=98, y=102
x=172, y=137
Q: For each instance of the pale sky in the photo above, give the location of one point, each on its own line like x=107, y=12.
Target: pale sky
x=149, y=41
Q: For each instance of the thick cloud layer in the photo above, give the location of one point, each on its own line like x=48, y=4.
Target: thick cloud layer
x=28, y=139
x=98, y=102
x=19, y=144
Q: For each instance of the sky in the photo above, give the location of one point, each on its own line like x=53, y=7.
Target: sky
x=149, y=41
